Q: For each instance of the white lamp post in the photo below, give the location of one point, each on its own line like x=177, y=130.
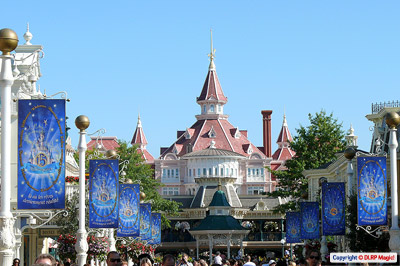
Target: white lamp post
x=8, y=42
x=82, y=122
x=393, y=120
x=283, y=241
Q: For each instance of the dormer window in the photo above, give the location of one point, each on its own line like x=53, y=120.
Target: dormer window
x=204, y=109
x=211, y=133
x=187, y=134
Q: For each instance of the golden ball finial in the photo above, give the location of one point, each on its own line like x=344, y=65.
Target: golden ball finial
x=392, y=119
x=82, y=122
x=111, y=154
x=129, y=181
x=142, y=195
x=349, y=153
x=8, y=41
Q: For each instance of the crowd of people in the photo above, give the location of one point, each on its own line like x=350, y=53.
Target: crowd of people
x=114, y=259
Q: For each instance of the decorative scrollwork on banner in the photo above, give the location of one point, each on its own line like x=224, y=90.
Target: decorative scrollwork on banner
x=376, y=232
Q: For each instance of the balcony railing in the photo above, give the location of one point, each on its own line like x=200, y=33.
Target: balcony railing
x=376, y=107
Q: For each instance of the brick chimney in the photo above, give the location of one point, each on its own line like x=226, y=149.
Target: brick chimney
x=267, y=132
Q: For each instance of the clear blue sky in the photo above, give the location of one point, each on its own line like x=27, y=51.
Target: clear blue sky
x=116, y=58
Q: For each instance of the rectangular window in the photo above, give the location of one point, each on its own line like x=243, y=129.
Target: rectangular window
x=172, y=173
x=198, y=172
x=177, y=173
x=255, y=190
x=216, y=171
x=204, y=172
x=210, y=171
x=222, y=171
x=169, y=173
x=262, y=171
x=249, y=172
x=170, y=191
x=190, y=172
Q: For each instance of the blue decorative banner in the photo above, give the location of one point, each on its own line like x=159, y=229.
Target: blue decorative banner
x=372, y=191
x=145, y=221
x=41, y=154
x=333, y=208
x=129, y=220
x=309, y=220
x=103, y=194
x=293, y=227
x=155, y=229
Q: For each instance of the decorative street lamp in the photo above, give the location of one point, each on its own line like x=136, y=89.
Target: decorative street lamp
x=393, y=120
x=82, y=122
x=8, y=42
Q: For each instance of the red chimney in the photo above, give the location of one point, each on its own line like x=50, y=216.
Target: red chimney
x=267, y=132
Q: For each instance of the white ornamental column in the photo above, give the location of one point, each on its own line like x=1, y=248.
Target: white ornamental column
x=393, y=120
x=82, y=122
x=8, y=42
x=111, y=239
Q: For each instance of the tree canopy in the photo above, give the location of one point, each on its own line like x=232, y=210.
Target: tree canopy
x=315, y=145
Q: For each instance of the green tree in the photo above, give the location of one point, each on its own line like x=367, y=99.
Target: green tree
x=315, y=145
x=140, y=172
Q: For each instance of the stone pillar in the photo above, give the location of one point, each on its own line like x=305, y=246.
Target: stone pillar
x=197, y=249
x=210, y=243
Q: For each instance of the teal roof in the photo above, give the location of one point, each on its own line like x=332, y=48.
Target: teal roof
x=219, y=222
x=219, y=200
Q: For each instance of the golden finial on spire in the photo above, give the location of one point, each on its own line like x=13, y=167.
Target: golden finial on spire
x=219, y=184
x=212, y=54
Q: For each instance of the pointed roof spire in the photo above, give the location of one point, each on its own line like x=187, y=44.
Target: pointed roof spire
x=27, y=35
x=211, y=55
x=284, y=152
x=138, y=136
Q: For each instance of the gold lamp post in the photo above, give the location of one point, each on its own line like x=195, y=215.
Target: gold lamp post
x=8, y=42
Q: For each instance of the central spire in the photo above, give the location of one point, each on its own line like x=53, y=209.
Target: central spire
x=212, y=98
x=211, y=55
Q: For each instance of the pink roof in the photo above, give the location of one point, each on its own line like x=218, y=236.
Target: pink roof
x=138, y=136
x=146, y=155
x=107, y=143
x=224, y=139
x=284, y=135
x=212, y=88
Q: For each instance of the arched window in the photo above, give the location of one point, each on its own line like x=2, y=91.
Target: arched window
x=212, y=108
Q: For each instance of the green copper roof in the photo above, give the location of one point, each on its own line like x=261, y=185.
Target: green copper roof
x=219, y=222
x=219, y=199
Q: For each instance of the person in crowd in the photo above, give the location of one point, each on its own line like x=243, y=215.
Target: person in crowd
x=196, y=263
x=16, y=262
x=313, y=258
x=185, y=260
x=203, y=262
x=113, y=258
x=145, y=262
x=124, y=263
x=218, y=258
x=301, y=262
x=249, y=262
x=45, y=259
x=272, y=263
x=168, y=260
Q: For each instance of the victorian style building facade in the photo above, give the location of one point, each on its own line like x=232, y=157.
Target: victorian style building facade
x=211, y=153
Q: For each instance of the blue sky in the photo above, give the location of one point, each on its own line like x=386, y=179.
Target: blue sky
x=118, y=58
